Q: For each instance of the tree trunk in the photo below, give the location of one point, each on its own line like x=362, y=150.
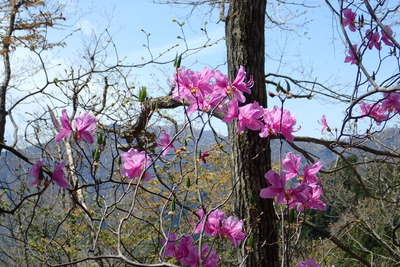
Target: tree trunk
x=251, y=157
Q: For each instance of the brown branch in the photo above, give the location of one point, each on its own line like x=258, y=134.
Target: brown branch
x=338, y=243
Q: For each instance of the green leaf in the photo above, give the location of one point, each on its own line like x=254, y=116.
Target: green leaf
x=142, y=94
x=173, y=205
x=178, y=60
x=100, y=138
x=96, y=155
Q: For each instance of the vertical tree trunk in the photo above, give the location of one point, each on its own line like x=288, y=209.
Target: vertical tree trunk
x=251, y=155
x=5, y=52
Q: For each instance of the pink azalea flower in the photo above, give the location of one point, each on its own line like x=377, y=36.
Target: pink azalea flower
x=391, y=103
x=277, y=187
x=165, y=143
x=373, y=110
x=235, y=89
x=36, y=172
x=324, y=124
x=203, y=156
x=85, y=127
x=277, y=122
x=58, y=175
x=193, y=87
x=232, y=111
x=217, y=224
x=209, y=257
x=134, y=163
x=308, y=263
x=66, y=129
x=386, y=37
x=232, y=228
x=299, y=195
x=186, y=253
x=351, y=57
x=249, y=117
x=310, y=171
x=312, y=201
x=291, y=189
x=291, y=164
x=349, y=19
x=170, y=247
x=239, y=82
x=213, y=224
x=373, y=40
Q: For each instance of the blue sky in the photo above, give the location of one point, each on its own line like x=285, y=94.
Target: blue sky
x=312, y=50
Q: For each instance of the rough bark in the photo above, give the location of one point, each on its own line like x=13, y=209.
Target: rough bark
x=251, y=157
x=5, y=52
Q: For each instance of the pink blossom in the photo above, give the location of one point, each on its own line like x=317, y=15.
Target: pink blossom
x=391, y=103
x=277, y=187
x=58, y=175
x=217, y=224
x=85, y=127
x=386, y=37
x=36, y=172
x=278, y=122
x=203, y=156
x=239, y=82
x=308, y=263
x=213, y=224
x=324, y=124
x=250, y=117
x=351, y=57
x=349, y=19
x=235, y=89
x=232, y=111
x=193, y=87
x=291, y=164
x=312, y=201
x=66, y=129
x=232, y=228
x=134, y=163
x=170, y=247
x=373, y=40
x=293, y=190
x=209, y=257
x=310, y=171
x=373, y=110
x=165, y=143
x=188, y=254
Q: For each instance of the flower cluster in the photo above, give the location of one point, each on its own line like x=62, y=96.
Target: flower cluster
x=186, y=253
x=211, y=89
x=373, y=38
x=296, y=190
x=165, y=143
x=218, y=225
x=58, y=175
x=83, y=127
x=278, y=121
x=135, y=163
x=381, y=111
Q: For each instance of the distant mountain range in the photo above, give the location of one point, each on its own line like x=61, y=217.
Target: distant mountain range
x=11, y=169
